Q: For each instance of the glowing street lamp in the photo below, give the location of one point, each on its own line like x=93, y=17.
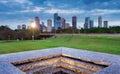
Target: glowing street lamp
x=33, y=25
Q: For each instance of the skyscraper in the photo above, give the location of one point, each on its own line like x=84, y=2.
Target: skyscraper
x=49, y=25
x=74, y=22
x=91, y=23
x=105, y=24
x=87, y=23
x=99, y=21
x=37, y=22
x=55, y=20
x=23, y=27
x=67, y=25
x=63, y=23
x=59, y=22
x=43, y=27
x=18, y=27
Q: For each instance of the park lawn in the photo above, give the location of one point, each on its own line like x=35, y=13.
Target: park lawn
x=105, y=44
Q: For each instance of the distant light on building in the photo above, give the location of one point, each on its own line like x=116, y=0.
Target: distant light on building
x=33, y=24
x=37, y=22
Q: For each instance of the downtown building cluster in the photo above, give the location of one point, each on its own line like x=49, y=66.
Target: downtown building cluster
x=23, y=27
x=90, y=23
x=60, y=23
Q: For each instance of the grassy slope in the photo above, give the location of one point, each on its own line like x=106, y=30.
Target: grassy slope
x=93, y=43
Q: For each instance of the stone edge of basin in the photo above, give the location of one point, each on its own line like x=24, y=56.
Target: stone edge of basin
x=7, y=68
x=113, y=60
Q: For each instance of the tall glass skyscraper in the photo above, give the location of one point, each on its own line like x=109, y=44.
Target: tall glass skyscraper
x=58, y=22
x=105, y=24
x=63, y=23
x=55, y=20
x=74, y=22
x=91, y=23
x=49, y=25
x=99, y=21
x=37, y=22
x=87, y=23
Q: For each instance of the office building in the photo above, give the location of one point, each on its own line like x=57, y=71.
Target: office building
x=74, y=22
x=43, y=27
x=63, y=23
x=87, y=23
x=37, y=22
x=99, y=21
x=23, y=27
x=67, y=25
x=19, y=27
x=55, y=20
x=58, y=23
x=105, y=24
x=91, y=23
x=49, y=25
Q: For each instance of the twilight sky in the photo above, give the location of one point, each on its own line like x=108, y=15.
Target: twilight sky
x=17, y=12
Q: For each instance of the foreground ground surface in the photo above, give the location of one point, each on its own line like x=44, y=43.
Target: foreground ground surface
x=107, y=44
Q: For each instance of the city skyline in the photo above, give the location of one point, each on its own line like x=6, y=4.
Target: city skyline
x=60, y=22
x=17, y=12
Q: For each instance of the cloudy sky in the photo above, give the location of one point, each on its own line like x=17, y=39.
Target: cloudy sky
x=17, y=12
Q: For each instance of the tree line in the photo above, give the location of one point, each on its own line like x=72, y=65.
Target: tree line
x=112, y=29
x=26, y=34
x=22, y=34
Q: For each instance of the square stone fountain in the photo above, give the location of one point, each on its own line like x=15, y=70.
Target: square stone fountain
x=59, y=60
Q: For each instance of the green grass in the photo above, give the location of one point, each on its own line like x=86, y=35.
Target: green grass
x=93, y=43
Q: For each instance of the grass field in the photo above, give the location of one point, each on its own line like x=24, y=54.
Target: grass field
x=107, y=44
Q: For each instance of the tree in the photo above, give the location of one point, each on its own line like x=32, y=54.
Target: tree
x=22, y=34
x=6, y=33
